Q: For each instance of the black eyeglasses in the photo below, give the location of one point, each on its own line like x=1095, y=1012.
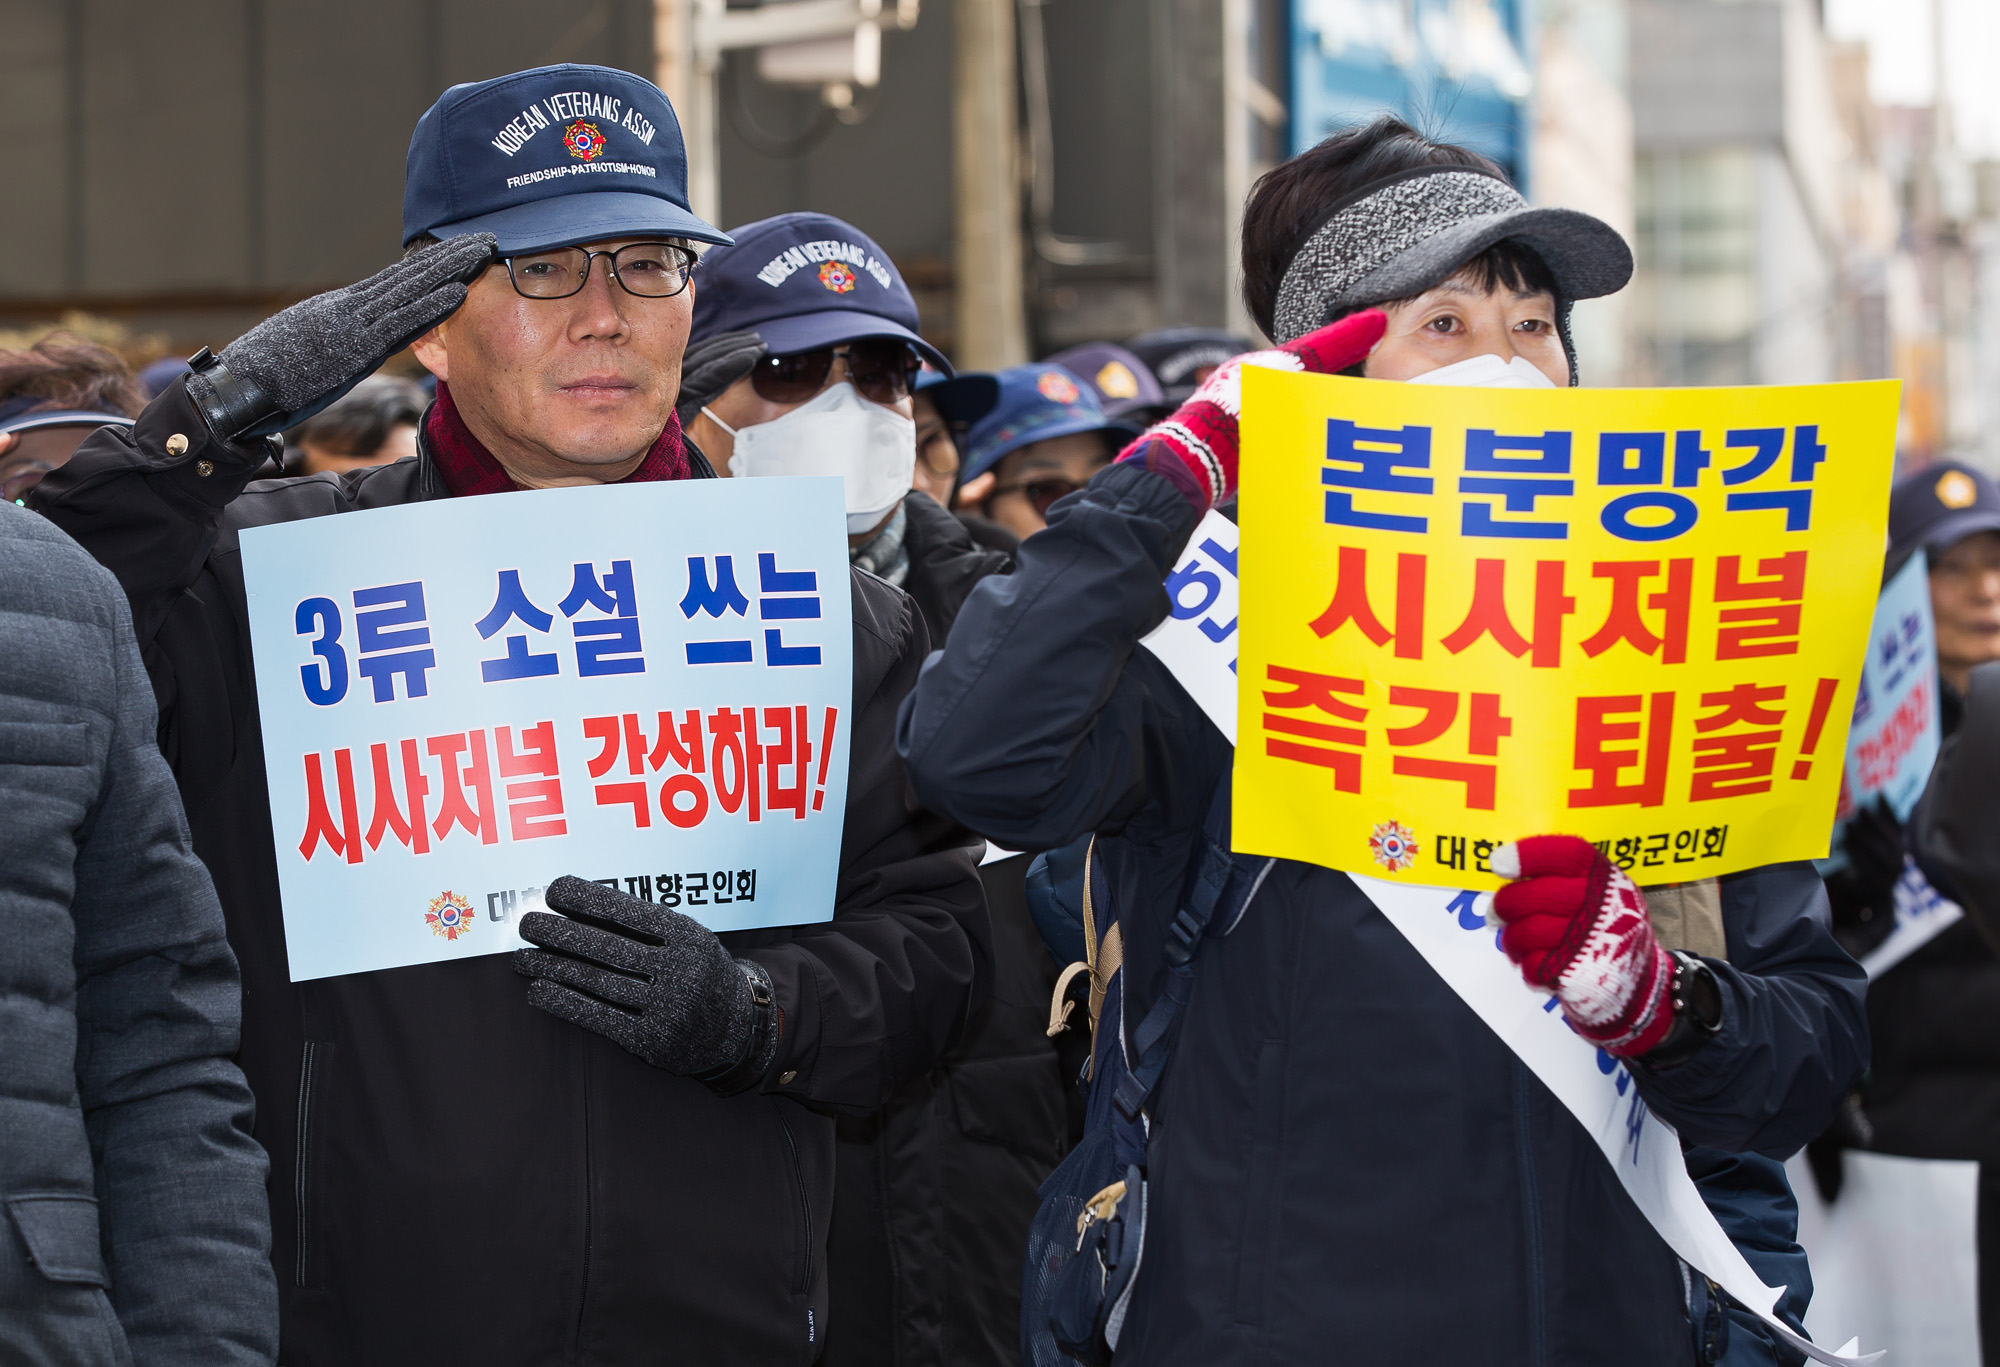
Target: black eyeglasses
x=651, y=270
x=881, y=368
x=1042, y=493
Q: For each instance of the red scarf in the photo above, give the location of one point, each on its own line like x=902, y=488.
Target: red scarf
x=469, y=468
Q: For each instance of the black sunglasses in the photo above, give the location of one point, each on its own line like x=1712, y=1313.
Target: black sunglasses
x=881, y=368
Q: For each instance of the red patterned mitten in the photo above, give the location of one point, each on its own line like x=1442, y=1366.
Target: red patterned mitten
x=1202, y=431
x=1573, y=923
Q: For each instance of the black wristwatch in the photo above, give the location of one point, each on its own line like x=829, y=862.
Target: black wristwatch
x=1697, y=998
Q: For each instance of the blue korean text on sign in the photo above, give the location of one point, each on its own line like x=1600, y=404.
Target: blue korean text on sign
x=461, y=700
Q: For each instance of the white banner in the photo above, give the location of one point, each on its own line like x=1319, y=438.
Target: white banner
x=1448, y=927
x=1197, y=642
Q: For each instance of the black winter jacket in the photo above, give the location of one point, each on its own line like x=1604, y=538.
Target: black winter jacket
x=933, y=1193
x=1345, y=1163
x=542, y=1197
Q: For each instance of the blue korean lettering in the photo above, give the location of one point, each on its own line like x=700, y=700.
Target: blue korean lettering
x=1640, y=458
x=325, y=682
x=604, y=645
x=1466, y=907
x=511, y=603
x=387, y=654
x=1518, y=480
x=1768, y=443
x=1690, y=459
x=786, y=596
x=1379, y=452
x=1208, y=584
x=715, y=595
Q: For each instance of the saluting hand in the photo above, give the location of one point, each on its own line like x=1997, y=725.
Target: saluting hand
x=296, y=362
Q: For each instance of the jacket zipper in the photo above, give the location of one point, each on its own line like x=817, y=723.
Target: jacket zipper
x=302, y=1164
x=804, y=1283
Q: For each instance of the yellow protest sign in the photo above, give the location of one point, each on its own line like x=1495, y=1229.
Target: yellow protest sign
x=1470, y=615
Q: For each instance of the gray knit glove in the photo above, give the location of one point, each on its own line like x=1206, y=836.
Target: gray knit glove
x=295, y=363
x=652, y=980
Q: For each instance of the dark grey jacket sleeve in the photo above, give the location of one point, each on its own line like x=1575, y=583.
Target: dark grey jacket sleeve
x=1043, y=719
x=180, y=1182
x=1794, y=1032
x=1955, y=830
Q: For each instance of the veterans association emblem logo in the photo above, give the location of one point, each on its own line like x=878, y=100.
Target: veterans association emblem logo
x=1956, y=490
x=450, y=915
x=1115, y=380
x=1057, y=387
x=837, y=276
x=583, y=140
x=1393, y=846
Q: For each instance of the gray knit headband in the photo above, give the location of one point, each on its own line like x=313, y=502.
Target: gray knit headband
x=1403, y=235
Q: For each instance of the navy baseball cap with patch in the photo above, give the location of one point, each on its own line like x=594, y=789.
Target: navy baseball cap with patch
x=803, y=281
x=1938, y=507
x=1037, y=403
x=1124, y=384
x=552, y=157
x=964, y=398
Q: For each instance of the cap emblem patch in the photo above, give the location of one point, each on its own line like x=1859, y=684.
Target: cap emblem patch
x=1057, y=387
x=1955, y=489
x=837, y=276
x=1116, y=381
x=583, y=140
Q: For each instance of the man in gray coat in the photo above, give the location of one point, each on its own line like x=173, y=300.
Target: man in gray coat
x=135, y=1225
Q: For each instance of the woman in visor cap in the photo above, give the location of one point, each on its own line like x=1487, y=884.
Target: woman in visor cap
x=1343, y=1162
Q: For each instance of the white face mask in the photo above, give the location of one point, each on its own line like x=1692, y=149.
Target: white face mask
x=872, y=448
x=1488, y=372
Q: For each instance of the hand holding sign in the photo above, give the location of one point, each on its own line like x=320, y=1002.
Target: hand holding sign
x=1577, y=926
x=651, y=980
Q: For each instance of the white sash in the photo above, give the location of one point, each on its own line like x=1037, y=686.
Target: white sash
x=1921, y=913
x=1447, y=927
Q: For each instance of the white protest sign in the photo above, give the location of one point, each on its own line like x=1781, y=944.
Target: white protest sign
x=647, y=685
x=1197, y=642
x=1922, y=913
x=1449, y=929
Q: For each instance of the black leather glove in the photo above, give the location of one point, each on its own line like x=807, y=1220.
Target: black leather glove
x=1861, y=895
x=295, y=363
x=654, y=981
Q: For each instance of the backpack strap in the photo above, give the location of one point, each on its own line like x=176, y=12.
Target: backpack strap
x=1221, y=882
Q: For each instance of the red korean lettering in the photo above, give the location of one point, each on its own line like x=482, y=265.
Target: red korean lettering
x=406, y=821
x=1746, y=633
x=1596, y=732
x=535, y=802
x=475, y=774
x=733, y=738
x=1350, y=603
x=1488, y=614
x=1624, y=621
x=344, y=838
x=1738, y=763
x=794, y=749
x=1485, y=726
x=1319, y=692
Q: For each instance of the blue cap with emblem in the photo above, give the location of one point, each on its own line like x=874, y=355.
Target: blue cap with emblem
x=1037, y=403
x=552, y=157
x=803, y=281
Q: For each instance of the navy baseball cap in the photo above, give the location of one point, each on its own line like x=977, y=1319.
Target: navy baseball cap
x=803, y=281
x=1037, y=402
x=1181, y=358
x=1123, y=383
x=964, y=398
x=552, y=157
x=1938, y=507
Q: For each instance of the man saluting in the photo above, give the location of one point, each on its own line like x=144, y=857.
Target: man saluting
x=458, y=1176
